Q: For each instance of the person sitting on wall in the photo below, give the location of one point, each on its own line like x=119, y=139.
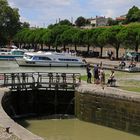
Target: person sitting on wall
x=111, y=77
x=132, y=64
x=122, y=64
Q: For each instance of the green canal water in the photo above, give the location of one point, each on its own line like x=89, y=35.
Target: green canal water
x=65, y=129
x=74, y=129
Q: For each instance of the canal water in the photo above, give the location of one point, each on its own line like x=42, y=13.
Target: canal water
x=74, y=129
x=65, y=129
x=12, y=66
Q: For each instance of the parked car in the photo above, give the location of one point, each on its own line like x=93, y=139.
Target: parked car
x=132, y=56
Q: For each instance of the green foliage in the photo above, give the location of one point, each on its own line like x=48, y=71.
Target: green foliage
x=62, y=22
x=80, y=21
x=25, y=25
x=62, y=35
x=112, y=22
x=9, y=21
x=133, y=14
x=130, y=36
x=66, y=37
x=65, y=22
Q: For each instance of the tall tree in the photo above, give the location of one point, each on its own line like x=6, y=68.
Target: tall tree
x=133, y=14
x=65, y=22
x=56, y=33
x=130, y=36
x=80, y=21
x=87, y=38
x=67, y=36
x=110, y=37
x=9, y=20
x=96, y=40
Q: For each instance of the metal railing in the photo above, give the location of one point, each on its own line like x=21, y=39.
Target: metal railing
x=40, y=80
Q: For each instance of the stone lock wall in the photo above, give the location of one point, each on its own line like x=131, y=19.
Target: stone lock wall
x=120, y=112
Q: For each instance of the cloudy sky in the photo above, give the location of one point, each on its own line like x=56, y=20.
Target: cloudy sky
x=44, y=12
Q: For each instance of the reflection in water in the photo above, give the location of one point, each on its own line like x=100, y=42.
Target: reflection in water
x=73, y=129
x=12, y=66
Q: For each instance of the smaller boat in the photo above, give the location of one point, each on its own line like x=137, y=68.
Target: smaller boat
x=11, y=54
x=48, y=59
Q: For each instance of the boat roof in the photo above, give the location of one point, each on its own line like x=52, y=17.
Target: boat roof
x=40, y=53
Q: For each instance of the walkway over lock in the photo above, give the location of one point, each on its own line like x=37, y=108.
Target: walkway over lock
x=40, y=80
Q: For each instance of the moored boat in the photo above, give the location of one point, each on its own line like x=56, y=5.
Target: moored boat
x=11, y=54
x=48, y=59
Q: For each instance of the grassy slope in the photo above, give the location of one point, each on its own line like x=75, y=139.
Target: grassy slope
x=126, y=81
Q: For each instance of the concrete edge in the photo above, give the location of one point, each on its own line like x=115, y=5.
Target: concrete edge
x=15, y=128
x=108, y=91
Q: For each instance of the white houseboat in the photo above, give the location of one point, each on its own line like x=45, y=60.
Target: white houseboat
x=48, y=59
x=11, y=54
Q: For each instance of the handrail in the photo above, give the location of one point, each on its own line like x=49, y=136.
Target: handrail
x=46, y=80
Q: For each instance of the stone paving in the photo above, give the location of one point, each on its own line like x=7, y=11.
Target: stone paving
x=109, y=91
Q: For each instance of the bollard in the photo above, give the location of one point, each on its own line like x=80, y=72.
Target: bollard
x=7, y=129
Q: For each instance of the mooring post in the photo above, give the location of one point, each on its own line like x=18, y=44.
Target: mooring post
x=7, y=129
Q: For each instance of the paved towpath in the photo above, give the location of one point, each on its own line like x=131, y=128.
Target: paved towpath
x=107, y=61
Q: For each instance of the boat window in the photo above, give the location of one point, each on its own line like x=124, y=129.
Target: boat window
x=28, y=56
x=41, y=58
x=67, y=59
x=17, y=52
x=4, y=50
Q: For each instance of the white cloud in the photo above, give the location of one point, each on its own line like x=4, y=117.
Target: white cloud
x=42, y=12
x=113, y=7
x=40, y=3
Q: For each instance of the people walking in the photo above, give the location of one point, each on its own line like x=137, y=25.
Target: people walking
x=102, y=77
x=96, y=74
x=89, y=75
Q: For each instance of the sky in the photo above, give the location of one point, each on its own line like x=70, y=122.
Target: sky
x=41, y=13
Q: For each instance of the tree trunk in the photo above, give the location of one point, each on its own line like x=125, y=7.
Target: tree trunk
x=41, y=46
x=49, y=47
x=136, y=46
x=88, y=48
x=56, y=48
x=101, y=52
x=75, y=47
x=117, y=51
x=64, y=47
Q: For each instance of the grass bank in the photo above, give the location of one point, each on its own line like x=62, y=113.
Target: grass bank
x=126, y=81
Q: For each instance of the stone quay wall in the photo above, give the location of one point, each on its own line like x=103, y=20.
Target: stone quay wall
x=110, y=107
x=16, y=131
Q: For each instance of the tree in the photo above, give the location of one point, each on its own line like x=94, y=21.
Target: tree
x=96, y=40
x=111, y=22
x=80, y=21
x=87, y=39
x=65, y=22
x=25, y=25
x=9, y=21
x=48, y=38
x=67, y=36
x=56, y=33
x=130, y=36
x=133, y=14
x=110, y=36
